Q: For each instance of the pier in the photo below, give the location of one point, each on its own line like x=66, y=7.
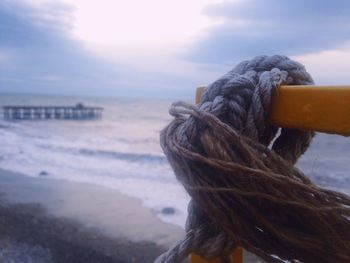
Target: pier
x=78, y=112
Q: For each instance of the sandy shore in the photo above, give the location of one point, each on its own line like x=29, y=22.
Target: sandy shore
x=61, y=221
x=45, y=220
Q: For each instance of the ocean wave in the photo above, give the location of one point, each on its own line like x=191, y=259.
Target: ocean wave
x=124, y=156
x=137, y=141
x=131, y=157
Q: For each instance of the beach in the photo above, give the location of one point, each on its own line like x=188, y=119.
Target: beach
x=46, y=220
x=88, y=191
x=61, y=221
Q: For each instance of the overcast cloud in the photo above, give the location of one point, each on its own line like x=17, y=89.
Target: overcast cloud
x=273, y=27
x=38, y=52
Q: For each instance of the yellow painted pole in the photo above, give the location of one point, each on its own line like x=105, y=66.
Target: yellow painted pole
x=236, y=257
x=194, y=258
x=318, y=108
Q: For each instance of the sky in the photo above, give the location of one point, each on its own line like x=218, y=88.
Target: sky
x=162, y=48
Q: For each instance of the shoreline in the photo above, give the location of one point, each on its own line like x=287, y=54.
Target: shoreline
x=29, y=234
x=48, y=220
x=80, y=220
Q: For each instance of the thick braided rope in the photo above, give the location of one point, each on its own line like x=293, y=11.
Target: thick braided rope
x=240, y=173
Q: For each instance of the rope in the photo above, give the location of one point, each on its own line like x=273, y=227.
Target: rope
x=240, y=173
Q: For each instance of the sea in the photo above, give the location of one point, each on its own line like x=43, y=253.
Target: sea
x=121, y=151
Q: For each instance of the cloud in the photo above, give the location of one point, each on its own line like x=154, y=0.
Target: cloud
x=39, y=54
x=22, y=25
x=254, y=27
x=329, y=67
x=5, y=59
x=35, y=43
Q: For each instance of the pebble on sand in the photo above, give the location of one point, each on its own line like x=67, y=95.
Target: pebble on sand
x=168, y=211
x=43, y=173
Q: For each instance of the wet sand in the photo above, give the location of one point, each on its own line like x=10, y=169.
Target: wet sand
x=28, y=234
x=48, y=220
x=44, y=220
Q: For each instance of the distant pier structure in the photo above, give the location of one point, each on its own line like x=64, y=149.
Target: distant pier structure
x=78, y=112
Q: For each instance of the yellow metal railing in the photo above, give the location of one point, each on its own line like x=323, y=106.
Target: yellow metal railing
x=317, y=108
x=236, y=257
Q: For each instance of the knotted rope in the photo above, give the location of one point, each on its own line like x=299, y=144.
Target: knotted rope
x=240, y=173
